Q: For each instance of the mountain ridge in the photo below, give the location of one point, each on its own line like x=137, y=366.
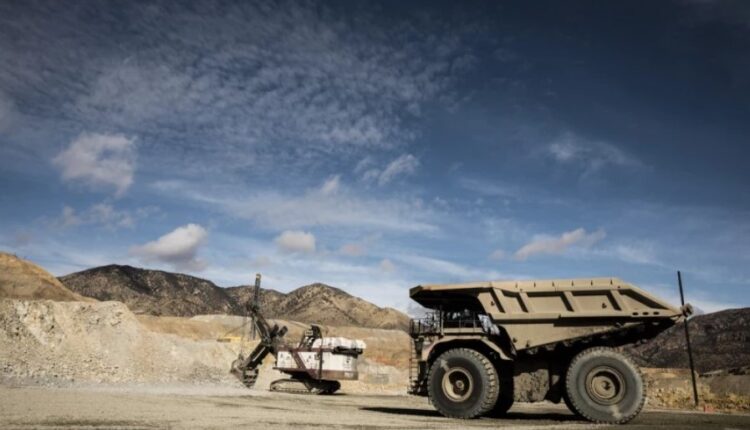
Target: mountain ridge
x=154, y=292
x=320, y=303
x=162, y=293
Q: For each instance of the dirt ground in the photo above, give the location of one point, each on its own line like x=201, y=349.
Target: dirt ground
x=217, y=408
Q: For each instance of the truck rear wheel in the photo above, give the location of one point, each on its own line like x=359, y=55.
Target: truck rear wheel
x=604, y=386
x=462, y=384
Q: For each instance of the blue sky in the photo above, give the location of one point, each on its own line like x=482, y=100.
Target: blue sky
x=374, y=146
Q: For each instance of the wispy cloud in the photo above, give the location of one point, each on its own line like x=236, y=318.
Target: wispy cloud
x=331, y=186
x=291, y=84
x=489, y=188
x=102, y=214
x=404, y=165
x=559, y=244
x=7, y=112
x=313, y=208
x=386, y=265
x=178, y=248
x=454, y=270
x=592, y=155
x=498, y=255
x=359, y=247
x=352, y=249
x=639, y=253
x=99, y=160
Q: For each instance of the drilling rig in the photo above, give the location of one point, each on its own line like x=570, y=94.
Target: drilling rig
x=315, y=365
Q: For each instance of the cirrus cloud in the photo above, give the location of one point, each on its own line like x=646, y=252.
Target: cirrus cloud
x=102, y=214
x=558, y=244
x=405, y=164
x=329, y=205
x=593, y=155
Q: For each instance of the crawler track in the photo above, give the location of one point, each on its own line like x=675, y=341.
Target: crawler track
x=300, y=386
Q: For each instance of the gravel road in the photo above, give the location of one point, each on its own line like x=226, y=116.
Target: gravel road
x=217, y=408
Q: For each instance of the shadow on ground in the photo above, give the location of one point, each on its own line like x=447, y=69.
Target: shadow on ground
x=402, y=411
x=553, y=416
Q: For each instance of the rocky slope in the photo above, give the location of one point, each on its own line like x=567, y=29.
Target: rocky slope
x=22, y=279
x=323, y=304
x=269, y=299
x=155, y=292
x=720, y=340
x=152, y=292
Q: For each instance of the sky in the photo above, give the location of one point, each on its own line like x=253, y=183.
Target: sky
x=378, y=145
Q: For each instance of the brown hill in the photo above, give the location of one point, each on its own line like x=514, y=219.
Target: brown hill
x=269, y=299
x=152, y=292
x=156, y=292
x=720, y=340
x=22, y=279
x=323, y=304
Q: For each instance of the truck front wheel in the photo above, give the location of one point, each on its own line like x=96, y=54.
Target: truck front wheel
x=462, y=383
x=604, y=386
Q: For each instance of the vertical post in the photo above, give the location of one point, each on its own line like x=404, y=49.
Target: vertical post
x=687, y=341
x=255, y=304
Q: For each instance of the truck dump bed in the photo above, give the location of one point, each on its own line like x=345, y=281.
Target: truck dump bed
x=540, y=312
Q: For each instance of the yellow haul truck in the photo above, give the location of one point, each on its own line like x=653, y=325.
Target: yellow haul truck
x=485, y=345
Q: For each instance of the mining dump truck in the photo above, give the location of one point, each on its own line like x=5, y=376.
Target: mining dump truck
x=315, y=364
x=484, y=345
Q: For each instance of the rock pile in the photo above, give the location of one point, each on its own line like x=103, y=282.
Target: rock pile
x=672, y=389
x=46, y=342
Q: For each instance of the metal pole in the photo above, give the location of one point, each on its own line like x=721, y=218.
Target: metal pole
x=255, y=304
x=687, y=340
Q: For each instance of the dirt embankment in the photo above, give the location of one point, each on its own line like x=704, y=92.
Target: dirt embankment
x=21, y=279
x=672, y=389
x=50, y=342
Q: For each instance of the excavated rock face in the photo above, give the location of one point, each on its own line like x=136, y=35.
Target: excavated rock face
x=323, y=304
x=152, y=291
x=720, y=340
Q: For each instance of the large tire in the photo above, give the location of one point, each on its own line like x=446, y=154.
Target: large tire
x=506, y=394
x=604, y=386
x=569, y=404
x=462, y=384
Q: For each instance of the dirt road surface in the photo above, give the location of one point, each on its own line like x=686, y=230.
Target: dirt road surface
x=218, y=408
